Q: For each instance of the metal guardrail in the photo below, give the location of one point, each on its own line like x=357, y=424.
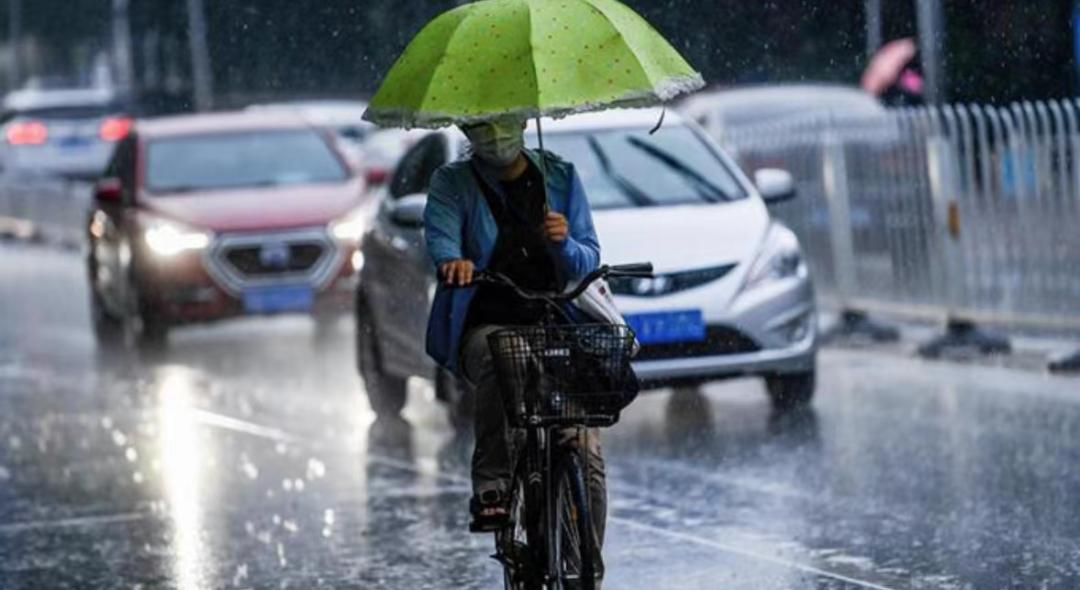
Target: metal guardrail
x=963, y=212
x=46, y=208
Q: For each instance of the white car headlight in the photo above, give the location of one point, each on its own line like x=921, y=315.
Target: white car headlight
x=351, y=227
x=780, y=257
x=169, y=238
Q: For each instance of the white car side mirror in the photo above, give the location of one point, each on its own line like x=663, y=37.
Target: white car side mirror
x=774, y=184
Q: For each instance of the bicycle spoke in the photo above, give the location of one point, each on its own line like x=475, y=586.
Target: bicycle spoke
x=570, y=541
x=573, y=542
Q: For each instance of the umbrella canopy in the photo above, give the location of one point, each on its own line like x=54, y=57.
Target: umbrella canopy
x=529, y=58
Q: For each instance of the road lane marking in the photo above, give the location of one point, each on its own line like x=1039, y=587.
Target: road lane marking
x=243, y=426
x=227, y=422
x=406, y=466
x=694, y=539
x=80, y=521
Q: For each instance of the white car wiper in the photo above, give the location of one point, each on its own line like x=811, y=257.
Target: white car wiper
x=632, y=192
x=716, y=194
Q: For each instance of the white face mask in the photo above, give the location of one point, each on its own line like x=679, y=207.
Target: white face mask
x=497, y=143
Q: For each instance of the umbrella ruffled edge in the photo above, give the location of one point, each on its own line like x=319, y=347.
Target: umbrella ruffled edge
x=661, y=93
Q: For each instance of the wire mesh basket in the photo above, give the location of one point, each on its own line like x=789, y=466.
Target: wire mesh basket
x=564, y=373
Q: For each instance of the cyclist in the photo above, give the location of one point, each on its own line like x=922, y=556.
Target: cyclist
x=491, y=211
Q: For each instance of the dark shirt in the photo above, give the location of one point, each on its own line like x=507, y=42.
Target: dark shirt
x=521, y=253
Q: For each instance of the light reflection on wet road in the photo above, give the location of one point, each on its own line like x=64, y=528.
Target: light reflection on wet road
x=247, y=457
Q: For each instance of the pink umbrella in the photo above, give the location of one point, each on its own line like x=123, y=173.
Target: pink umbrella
x=887, y=65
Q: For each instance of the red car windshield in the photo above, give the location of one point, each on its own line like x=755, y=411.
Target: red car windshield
x=238, y=160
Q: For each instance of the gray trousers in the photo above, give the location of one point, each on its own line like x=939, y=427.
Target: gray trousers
x=491, y=457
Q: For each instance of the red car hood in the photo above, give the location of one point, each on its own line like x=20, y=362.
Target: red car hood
x=260, y=208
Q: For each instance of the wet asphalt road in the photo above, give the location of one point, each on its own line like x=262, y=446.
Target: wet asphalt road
x=246, y=457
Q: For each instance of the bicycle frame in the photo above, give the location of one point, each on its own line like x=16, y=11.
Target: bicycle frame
x=540, y=458
x=541, y=454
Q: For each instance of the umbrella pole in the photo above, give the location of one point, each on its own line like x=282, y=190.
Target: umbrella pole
x=543, y=162
x=540, y=138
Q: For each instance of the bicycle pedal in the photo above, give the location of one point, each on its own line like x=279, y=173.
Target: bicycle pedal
x=519, y=563
x=490, y=525
x=484, y=527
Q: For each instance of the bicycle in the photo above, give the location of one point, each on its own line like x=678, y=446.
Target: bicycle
x=557, y=378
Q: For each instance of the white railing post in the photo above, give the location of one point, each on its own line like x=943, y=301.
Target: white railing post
x=835, y=181
x=853, y=322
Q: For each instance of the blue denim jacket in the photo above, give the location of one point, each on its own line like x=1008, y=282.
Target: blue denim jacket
x=459, y=225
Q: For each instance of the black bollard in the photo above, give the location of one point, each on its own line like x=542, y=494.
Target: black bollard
x=965, y=335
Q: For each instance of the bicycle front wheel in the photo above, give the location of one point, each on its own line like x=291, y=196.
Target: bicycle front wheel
x=516, y=543
x=574, y=542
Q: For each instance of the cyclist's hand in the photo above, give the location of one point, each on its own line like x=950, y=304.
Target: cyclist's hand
x=555, y=227
x=457, y=272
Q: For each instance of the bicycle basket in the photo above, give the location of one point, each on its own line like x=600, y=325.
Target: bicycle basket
x=566, y=373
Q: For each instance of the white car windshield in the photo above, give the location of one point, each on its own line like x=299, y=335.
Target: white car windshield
x=235, y=160
x=631, y=168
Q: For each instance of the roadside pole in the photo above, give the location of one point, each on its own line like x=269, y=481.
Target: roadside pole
x=15, y=43
x=873, y=27
x=931, y=21
x=121, y=39
x=201, y=74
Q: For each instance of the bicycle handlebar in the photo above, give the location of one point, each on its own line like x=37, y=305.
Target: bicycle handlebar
x=636, y=270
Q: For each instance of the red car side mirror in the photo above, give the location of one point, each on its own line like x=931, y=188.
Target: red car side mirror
x=109, y=190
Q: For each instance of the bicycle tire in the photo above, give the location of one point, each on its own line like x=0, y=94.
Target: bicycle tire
x=574, y=542
x=516, y=544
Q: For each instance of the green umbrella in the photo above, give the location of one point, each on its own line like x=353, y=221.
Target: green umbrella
x=529, y=58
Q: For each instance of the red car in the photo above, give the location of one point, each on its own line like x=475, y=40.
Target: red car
x=205, y=217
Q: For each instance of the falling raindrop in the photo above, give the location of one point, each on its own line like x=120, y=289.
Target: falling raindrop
x=249, y=468
x=241, y=574
x=315, y=469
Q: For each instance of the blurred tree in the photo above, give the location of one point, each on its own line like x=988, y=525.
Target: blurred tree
x=274, y=49
x=61, y=33
x=1016, y=49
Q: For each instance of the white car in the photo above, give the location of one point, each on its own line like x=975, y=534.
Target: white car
x=344, y=118
x=732, y=295
x=722, y=112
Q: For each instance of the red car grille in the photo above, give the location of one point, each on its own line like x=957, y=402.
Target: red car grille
x=252, y=261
